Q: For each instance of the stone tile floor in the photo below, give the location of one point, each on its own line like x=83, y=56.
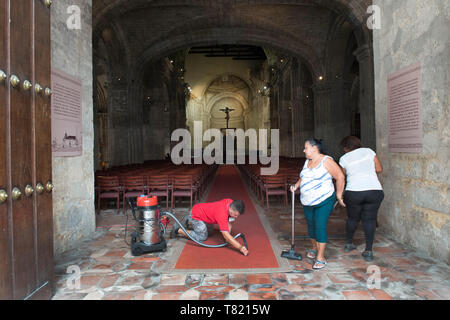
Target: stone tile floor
x=108, y=271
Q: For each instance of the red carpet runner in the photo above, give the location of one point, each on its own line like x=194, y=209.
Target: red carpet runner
x=228, y=184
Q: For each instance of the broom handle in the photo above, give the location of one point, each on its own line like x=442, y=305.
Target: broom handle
x=293, y=199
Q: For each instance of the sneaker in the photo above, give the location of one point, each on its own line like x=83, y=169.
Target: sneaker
x=349, y=247
x=368, y=256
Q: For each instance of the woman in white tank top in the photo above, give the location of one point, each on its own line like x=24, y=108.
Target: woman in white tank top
x=318, y=196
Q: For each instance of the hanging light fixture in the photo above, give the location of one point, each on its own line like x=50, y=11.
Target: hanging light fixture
x=265, y=91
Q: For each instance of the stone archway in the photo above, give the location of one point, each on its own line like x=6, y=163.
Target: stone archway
x=275, y=39
x=238, y=118
x=242, y=23
x=221, y=23
x=355, y=11
x=225, y=90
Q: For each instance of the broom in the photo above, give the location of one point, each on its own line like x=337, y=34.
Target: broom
x=291, y=254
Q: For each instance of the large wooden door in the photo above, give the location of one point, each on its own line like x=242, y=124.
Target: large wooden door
x=26, y=218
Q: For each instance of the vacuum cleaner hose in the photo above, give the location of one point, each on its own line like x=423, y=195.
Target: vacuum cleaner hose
x=241, y=235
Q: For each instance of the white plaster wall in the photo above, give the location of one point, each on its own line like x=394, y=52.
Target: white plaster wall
x=200, y=71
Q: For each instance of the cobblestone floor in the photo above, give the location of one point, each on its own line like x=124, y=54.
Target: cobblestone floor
x=110, y=272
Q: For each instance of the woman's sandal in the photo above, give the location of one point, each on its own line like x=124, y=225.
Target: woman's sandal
x=318, y=263
x=311, y=253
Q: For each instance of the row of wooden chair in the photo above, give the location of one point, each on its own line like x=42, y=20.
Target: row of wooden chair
x=264, y=187
x=167, y=183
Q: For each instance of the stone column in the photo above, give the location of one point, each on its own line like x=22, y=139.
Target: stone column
x=331, y=114
x=364, y=55
x=284, y=119
x=135, y=123
x=118, y=123
x=73, y=177
x=322, y=109
x=298, y=111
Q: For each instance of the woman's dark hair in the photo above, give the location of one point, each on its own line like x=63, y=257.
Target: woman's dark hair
x=351, y=143
x=318, y=143
x=238, y=205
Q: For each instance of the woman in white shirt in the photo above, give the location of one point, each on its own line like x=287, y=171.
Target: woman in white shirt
x=363, y=192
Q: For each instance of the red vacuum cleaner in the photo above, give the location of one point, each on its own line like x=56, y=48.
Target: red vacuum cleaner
x=150, y=229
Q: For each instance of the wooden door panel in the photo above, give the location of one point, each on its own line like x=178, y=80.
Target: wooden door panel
x=43, y=151
x=5, y=258
x=26, y=224
x=21, y=148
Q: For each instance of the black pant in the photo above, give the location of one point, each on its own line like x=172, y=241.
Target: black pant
x=363, y=205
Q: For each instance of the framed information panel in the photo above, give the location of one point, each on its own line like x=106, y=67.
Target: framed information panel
x=67, y=122
x=404, y=105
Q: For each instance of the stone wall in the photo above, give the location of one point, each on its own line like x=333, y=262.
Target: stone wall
x=73, y=177
x=416, y=209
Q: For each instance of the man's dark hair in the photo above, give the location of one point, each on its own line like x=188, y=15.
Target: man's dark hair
x=238, y=205
x=351, y=143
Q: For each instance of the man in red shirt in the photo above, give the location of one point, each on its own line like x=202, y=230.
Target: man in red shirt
x=222, y=213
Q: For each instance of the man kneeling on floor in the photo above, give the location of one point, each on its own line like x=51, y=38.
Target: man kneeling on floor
x=222, y=213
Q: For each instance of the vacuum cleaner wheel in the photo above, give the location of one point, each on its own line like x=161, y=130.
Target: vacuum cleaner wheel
x=136, y=251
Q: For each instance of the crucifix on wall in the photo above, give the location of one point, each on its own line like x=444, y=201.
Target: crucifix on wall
x=227, y=112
